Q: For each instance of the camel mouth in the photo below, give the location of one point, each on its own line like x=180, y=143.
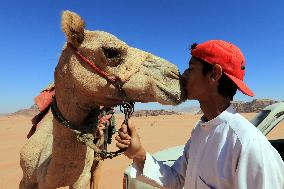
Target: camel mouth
x=159, y=81
x=174, y=97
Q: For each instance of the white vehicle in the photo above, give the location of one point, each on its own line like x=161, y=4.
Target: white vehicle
x=265, y=121
x=269, y=117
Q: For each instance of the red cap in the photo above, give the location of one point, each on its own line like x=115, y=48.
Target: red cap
x=228, y=56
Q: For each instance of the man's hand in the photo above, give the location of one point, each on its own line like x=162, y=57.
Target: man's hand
x=128, y=138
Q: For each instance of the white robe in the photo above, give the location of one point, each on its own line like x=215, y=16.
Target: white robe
x=227, y=152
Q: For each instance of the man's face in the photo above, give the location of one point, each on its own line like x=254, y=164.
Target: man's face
x=196, y=84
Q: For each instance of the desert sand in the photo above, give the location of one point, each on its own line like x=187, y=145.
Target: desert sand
x=156, y=132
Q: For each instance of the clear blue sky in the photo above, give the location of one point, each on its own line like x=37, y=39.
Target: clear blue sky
x=31, y=38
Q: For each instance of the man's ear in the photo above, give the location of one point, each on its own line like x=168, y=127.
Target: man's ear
x=73, y=27
x=216, y=73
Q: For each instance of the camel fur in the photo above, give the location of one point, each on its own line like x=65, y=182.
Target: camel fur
x=52, y=157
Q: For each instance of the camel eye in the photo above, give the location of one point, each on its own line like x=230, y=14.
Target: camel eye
x=111, y=52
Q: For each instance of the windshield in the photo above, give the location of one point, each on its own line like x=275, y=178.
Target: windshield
x=260, y=117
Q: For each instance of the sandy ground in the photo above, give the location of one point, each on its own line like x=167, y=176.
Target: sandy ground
x=156, y=133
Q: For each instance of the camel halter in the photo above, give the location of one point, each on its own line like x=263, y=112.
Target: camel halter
x=112, y=80
x=86, y=134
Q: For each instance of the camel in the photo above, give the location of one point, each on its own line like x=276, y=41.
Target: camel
x=52, y=157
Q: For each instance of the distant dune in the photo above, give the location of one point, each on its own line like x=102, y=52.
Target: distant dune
x=146, y=113
x=253, y=106
x=242, y=107
x=32, y=111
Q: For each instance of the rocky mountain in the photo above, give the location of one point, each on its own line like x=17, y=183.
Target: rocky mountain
x=254, y=106
x=141, y=113
x=242, y=107
x=32, y=111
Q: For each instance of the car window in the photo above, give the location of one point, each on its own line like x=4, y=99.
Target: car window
x=279, y=114
x=260, y=117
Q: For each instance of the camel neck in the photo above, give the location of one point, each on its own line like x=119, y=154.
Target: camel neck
x=72, y=108
x=91, y=119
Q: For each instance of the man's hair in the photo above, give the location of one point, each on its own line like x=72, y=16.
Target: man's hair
x=226, y=87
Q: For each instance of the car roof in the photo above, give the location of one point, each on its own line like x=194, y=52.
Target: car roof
x=278, y=106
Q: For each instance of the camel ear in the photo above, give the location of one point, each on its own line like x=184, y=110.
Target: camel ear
x=73, y=27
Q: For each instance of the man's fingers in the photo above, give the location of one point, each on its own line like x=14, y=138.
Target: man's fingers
x=120, y=146
x=123, y=135
x=122, y=141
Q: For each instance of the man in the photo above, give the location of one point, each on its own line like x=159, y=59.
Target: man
x=225, y=150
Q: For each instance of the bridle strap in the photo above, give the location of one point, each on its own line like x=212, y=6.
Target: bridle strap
x=113, y=80
x=127, y=107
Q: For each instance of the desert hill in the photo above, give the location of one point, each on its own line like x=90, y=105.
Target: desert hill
x=254, y=106
x=242, y=107
x=146, y=113
x=32, y=111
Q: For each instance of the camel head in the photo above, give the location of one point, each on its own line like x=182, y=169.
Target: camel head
x=144, y=77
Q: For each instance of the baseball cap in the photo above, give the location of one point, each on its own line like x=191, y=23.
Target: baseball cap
x=228, y=56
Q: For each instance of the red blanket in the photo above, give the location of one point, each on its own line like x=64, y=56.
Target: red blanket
x=43, y=102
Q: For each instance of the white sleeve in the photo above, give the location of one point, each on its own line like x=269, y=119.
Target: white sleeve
x=160, y=175
x=259, y=167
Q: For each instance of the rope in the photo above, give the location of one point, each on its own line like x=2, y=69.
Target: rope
x=101, y=72
x=86, y=135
